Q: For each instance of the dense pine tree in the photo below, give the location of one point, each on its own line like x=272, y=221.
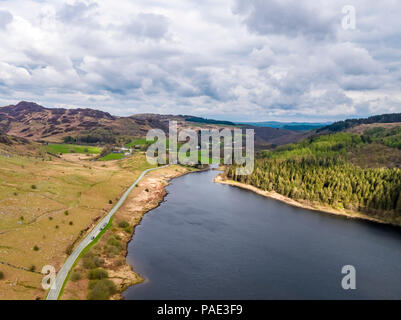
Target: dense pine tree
x=329, y=181
x=317, y=170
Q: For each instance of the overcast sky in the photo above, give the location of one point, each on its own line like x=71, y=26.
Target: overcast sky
x=226, y=59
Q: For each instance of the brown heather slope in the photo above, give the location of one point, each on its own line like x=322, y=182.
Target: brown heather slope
x=34, y=122
x=29, y=120
x=360, y=129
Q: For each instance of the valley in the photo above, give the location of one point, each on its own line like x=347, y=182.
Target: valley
x=62, y=170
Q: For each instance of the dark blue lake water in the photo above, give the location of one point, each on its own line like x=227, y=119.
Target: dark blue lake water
x=212, y=241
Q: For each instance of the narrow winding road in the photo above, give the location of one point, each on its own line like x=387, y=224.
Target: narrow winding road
x=57, y=285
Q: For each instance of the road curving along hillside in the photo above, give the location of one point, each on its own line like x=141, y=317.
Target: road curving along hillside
x=61, y=277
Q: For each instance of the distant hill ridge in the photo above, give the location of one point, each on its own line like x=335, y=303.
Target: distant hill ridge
x=32, y=121
x=349, y=123
x=209, y=121
x=297, y=126
x=29, y=107
x=89, y=126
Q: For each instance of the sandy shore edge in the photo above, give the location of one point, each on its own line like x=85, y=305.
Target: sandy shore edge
x=274, y=195
x=157, y=184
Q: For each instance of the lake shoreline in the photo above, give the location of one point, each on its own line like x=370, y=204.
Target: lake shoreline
x=146, y=196
x=158, y=190
x=250, y=247
x=325, y=209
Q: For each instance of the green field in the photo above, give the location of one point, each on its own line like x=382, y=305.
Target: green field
x=112, y=156
x=133, y=143
x=201, y=156
x=72, y=148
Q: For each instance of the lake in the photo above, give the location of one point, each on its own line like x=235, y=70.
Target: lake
x=213, y=241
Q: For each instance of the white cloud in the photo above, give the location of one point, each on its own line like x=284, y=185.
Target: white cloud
x=148, y=25
x=5, y=18
x=288, y=17
x=234, y=59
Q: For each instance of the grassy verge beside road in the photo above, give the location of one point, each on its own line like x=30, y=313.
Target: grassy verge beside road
x=85, y=251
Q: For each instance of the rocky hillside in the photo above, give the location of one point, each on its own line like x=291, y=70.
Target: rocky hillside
x=34, y=122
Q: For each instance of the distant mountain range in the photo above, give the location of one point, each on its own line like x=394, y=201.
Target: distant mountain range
x=88, y=126
x=350, y=123
x=297, y=126
x=30, y=121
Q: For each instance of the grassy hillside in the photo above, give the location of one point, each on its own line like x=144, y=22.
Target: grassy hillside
x=47, y=204
x=137, y=142
x=388, y=137
x=375, y=147
x=317, y=146
x=112, y=156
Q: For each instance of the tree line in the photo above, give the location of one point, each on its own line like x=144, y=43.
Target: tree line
x=328, y=180
x=349, y=123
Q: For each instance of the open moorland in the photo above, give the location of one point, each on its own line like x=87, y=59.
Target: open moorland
x=47, y=204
